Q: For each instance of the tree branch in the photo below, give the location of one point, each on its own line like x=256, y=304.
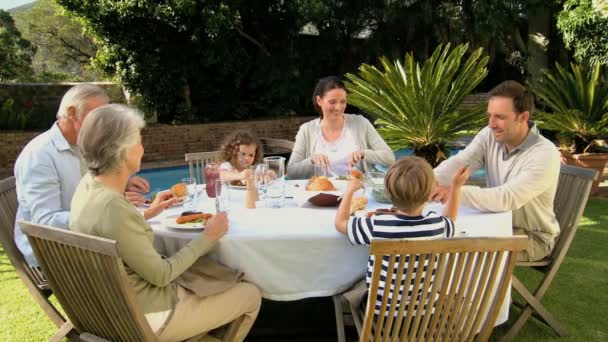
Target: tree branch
x=254, y=41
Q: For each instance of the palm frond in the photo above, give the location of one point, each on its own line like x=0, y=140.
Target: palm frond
x=418, y=105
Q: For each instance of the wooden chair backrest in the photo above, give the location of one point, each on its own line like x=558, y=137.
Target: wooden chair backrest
x=571, y=197
x=272, y=145
x=8, y=212
x=89, y=280
x=197, y=161
x=456, y=282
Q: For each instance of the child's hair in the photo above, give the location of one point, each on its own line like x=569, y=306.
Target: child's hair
x=409, y=182
x=230, y=147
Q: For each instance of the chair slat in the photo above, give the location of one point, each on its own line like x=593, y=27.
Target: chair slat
x=463, y=282
x=197, y=161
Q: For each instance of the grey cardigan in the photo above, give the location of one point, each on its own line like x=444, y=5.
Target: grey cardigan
x=366, y=137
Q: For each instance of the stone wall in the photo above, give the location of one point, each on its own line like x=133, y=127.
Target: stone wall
x=166, y=143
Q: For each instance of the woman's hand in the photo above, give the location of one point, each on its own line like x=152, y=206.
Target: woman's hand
x=355, y=158
x=162, y=201
x=319, y=159
x=216, y=226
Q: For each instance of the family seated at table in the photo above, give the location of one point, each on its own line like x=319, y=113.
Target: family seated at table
x=54, y=188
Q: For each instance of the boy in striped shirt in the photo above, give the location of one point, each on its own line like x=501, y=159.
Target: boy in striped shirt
x=408, y=185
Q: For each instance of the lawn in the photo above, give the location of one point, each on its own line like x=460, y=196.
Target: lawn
x=578, y=296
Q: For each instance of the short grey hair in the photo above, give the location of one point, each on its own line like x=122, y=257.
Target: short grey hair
x=106, y=134
x=77, y=97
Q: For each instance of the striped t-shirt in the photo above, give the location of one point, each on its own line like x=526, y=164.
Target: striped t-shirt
x=363, y=230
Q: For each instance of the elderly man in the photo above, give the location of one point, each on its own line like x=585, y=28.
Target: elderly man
x=522, y=169
x=49, y=168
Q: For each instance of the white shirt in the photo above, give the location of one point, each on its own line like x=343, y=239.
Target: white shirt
x=338, y=152
x=47, y=173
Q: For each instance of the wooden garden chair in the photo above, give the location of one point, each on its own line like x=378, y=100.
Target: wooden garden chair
x=197, y=161
x=573, y=190
x=31, y=276
x=464, y=305
x=89, y=280
x=276, y=146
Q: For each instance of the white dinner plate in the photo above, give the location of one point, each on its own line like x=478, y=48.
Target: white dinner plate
x=169, y=222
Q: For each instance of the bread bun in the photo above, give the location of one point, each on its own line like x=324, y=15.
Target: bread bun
x=358, y=203
x=320, y=183
x=179, y=190
x=356, y=174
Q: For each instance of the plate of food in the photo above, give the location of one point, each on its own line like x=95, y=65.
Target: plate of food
x=320, y=191
x=187, y=220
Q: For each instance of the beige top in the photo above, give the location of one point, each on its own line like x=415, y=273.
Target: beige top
x=100, y=211
x=364, y=135
x=523, y=180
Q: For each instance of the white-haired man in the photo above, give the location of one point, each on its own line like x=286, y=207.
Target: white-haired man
x=49, y=167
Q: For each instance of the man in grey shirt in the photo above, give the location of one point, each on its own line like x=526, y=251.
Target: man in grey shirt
x=522, y=169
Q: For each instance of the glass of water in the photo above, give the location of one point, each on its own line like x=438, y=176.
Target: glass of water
x=192, y=196
x=275, y=187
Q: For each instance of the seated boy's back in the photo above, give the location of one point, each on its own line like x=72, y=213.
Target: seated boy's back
x=408, y=184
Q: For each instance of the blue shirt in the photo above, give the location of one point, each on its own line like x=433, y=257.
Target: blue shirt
x=47, y=173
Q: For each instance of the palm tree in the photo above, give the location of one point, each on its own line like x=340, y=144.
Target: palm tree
x=418, y=107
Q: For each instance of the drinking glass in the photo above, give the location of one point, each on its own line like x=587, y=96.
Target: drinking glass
x=192, y=196
x=222, y=196
x=275, y=185
x=261, y=178
x=212, y=173
x=320, y=170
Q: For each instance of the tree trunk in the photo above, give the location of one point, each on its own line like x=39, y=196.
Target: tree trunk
x=539, y=28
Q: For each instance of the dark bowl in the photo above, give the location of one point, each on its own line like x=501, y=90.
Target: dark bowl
x=325, y=200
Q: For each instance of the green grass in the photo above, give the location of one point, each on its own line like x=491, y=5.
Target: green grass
x=578, y=296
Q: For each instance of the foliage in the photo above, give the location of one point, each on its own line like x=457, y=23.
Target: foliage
x=63, y=49
x=12, y=118
x=417, y=106
x=15, y=52
x=579, y=104
x=584, y=26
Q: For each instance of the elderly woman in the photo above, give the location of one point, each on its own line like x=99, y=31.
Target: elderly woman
x=172, y=292
x=336, y=139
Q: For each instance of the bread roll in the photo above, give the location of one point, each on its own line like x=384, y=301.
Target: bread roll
x=179, y=190
x=358, y=203
x=356, y=174
x=320, y=183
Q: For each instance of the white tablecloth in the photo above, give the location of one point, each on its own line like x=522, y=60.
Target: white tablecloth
x=295, y=252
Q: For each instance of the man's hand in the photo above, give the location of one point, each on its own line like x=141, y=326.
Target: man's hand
x=138, y=184
x=135, y=198
x=440, y=193
x=216, y=226
x=162, y=201
x=355, y=158
x=319, y=159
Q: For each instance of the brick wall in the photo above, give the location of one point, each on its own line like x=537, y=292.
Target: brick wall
x=164, y=143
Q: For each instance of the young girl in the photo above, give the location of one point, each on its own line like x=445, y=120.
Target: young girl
x=239, y=151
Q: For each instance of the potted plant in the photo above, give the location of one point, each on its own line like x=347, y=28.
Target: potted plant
x=578, y=104
x=418, y=106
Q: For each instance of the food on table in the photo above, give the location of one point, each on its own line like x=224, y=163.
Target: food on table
x=382, y=211
x=193, y=218
x=179, y=190
x=356, y=174
x=320, y=183
x=358, y=203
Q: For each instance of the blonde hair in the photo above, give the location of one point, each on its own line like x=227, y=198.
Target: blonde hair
x=230, y=147
x=77, y=97
x=409, y=182
x=106, y=134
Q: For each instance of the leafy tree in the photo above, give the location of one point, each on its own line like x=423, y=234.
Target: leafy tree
x=64, y=50
x=584, y=24
x=15, y=52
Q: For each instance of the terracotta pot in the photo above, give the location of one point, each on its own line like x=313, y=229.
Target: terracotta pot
x=596, y=161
